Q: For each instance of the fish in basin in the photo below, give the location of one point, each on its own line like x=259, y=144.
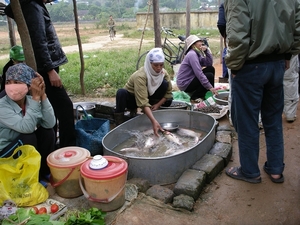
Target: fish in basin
x=172, y=137
x=146, y=144
x=189, y=133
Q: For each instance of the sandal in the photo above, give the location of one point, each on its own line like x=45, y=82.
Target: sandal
x=236, y=173
x=277, y=180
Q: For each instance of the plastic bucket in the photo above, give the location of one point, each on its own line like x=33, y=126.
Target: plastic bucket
x=105, y=187
x=64, y=164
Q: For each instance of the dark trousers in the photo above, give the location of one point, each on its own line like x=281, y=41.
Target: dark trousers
x=196, y=88
x=42, y=139
x=126, y=100
x=258, y=88
x=63, y=109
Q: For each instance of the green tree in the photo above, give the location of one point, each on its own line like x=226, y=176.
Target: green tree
x=61, y=12
x=94, y=11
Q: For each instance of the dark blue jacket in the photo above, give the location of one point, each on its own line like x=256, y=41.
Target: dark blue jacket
x=221, y=24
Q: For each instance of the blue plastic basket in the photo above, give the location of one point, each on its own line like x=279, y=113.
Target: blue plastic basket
x=90, y=132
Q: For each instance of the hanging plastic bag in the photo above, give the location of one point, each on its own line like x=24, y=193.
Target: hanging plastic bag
x=19, y=177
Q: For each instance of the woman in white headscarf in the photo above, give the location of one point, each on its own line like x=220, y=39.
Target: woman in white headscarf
x=148, y=88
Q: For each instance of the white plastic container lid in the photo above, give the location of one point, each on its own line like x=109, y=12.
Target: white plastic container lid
x=68, y=157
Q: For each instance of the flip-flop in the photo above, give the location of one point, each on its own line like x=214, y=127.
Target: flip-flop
x=236, y=173
x=278, y=180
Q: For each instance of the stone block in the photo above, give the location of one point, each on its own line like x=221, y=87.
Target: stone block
x=223, y=136
x=190, y=183
x=225, y=127
x=223, y=150
x=142, y=184
x=161, y=193
x=212, y=165
x=183, y=201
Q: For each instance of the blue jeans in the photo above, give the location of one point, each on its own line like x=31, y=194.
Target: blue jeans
x=259, y=87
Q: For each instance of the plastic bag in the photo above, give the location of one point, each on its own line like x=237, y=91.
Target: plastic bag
x=90, y=132
x=181, y=95
x=19, y=177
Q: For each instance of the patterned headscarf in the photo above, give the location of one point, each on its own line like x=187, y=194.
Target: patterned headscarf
x=154, y=79
x=20, y=72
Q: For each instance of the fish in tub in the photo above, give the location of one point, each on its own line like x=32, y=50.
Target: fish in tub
x=146, y=144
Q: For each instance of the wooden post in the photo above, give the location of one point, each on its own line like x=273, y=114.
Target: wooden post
x=156, y=23
x=188, y=18
x=11, y=31
x=149, y=6
x=80, y=48
x=24, y=34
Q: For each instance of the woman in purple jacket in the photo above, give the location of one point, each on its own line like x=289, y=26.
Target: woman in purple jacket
x=196, y=74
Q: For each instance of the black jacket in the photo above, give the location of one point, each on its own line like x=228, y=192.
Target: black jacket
x=221, y=24
x=47, y=49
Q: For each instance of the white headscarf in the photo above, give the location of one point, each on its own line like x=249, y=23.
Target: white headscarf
x=154, y=79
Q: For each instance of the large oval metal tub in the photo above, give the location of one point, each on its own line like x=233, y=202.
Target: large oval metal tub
x=162, y=170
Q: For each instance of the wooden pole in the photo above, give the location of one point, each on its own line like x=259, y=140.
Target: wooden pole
x=188, y=18
x=143, y=32
x=11, y=31
x=156, y=23
x=79, y=47
x=24, y=34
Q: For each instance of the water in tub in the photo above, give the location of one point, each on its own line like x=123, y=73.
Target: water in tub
x=146, y=144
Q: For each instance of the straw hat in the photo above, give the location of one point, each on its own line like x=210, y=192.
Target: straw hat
x=190, y=41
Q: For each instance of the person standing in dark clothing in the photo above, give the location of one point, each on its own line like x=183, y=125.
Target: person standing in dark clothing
x=260, y=46
x=221, y=24
x=49, y=56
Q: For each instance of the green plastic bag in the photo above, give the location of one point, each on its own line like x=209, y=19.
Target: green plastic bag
x=181, y=96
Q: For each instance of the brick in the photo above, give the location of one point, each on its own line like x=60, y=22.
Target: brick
x=190, y=183
x=212, y=165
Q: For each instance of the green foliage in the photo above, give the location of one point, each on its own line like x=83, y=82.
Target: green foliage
x=92, y=216
x=90, y=9
x=107, y=70
x=94, y=11
x=29, y=215
x=61, y=11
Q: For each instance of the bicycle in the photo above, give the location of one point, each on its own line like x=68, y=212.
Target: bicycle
x=111, y=32
x=173, y=53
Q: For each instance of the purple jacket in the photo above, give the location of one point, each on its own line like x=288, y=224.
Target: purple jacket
x=206, y=61
x=191, y=68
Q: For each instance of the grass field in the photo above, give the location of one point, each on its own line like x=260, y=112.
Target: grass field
x=105, y=71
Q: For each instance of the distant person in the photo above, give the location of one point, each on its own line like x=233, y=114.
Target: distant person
x=49, y=56
x=111, y=24
x=148, y=88
x=28, y=118
x=291, y=94
x=196, y=74
x=260, y=46
x=16, y=55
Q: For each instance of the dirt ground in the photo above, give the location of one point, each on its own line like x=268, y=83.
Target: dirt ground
x=228, y=201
